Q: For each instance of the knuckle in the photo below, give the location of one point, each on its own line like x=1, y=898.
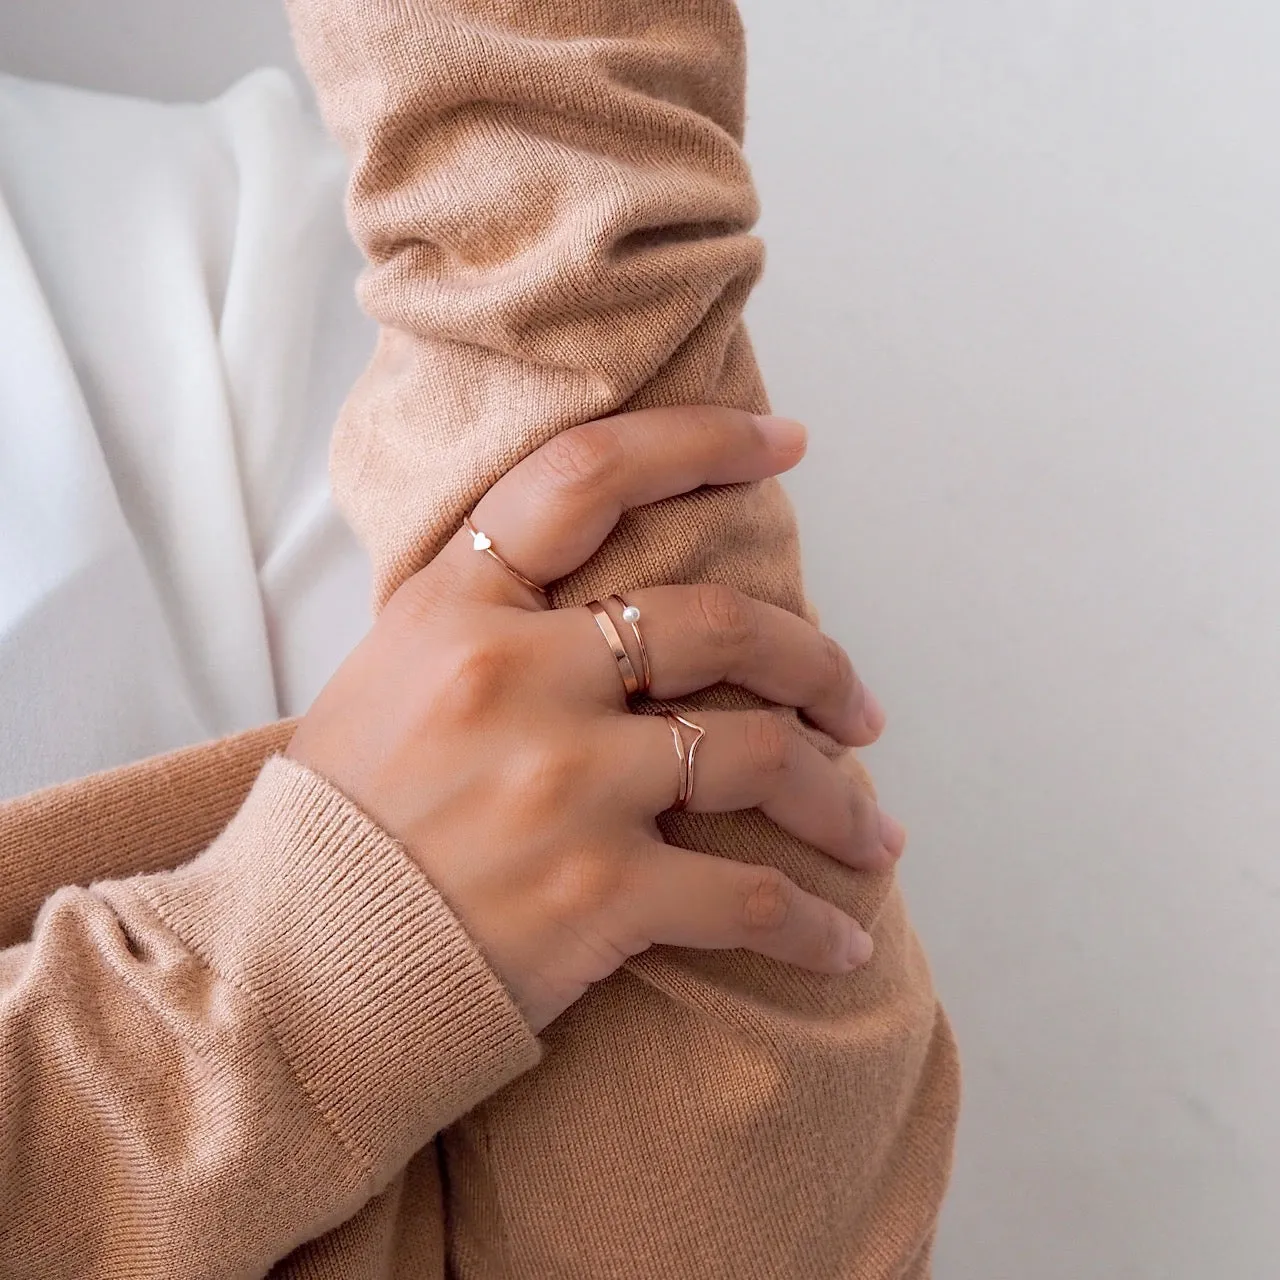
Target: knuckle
x=771, y=746
x=544, y=778
x=584, y=885
x=837, y=669
x=718, y=421
x=768, y=898
x=473, y=678
x=833, y=944
x=582, y=459
x=725, y=614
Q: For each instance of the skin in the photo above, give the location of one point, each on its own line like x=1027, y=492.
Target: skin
x=486, y=731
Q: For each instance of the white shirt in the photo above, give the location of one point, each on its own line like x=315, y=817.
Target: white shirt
x=177, y=331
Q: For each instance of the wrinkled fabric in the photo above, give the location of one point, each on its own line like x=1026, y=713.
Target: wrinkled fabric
x=177, y=330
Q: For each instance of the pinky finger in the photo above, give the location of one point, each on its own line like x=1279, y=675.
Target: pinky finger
x=698, y=900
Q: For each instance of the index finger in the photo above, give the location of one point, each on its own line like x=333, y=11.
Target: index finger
x=551, y=512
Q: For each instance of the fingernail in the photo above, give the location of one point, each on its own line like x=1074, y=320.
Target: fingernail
x=893, y=835
x=783, y=434
x=860, y=948
x=872, y=712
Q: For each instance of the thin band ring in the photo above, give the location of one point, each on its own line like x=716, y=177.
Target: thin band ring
x=685, y=756
x=482, y=542
x=631, y=614
x=682, y=798
x=630, y=681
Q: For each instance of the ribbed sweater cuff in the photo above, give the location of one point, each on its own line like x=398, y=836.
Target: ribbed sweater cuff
x=391, y=1019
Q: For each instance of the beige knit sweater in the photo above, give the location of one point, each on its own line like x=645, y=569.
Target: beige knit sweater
x=272, y=1045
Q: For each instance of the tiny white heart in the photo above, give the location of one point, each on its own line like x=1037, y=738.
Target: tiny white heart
x=480, y=541
x=631, y=614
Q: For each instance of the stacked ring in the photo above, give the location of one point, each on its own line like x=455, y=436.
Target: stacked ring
x=630, y=681
x=686, y=756
x=631, y=614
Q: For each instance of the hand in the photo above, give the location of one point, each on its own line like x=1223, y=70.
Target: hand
x=491, y=735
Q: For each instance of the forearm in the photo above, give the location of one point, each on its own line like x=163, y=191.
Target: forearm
x=201, y=1069
x=556, y=211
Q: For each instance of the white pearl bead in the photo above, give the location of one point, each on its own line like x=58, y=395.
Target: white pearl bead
x=631, y=614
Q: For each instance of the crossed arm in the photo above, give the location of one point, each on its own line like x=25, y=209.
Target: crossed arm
x=556, y=210
x=557, y=213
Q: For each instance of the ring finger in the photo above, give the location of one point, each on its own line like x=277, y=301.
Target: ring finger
x=752, y=759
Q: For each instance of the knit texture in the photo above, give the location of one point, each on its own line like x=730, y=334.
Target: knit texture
x=204, y=1068
x=556, y=212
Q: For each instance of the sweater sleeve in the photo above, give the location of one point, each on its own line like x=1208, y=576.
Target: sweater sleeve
x=556, y=213
x=201, y=1069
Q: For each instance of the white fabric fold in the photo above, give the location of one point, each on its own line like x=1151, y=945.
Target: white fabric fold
x=177, y=330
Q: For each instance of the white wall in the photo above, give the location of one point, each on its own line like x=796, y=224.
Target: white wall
x=175, y=50
x=1023, y=285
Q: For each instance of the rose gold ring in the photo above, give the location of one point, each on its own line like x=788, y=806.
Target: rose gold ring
x=686, y=756
x=630, y=681
x=631, y=614
x=482, y=542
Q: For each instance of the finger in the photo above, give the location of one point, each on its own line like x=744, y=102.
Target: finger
x=698, y=636
x=893, y=835
x=753, y=759
x=685, y=899
x=549, y=514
